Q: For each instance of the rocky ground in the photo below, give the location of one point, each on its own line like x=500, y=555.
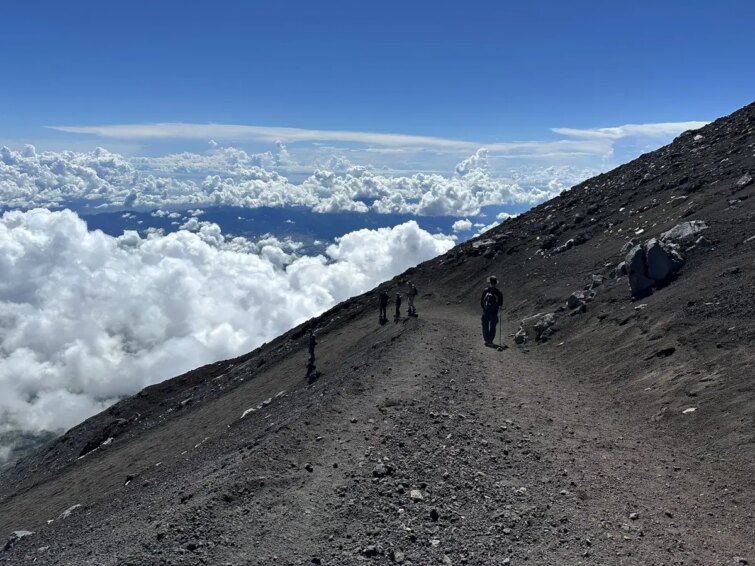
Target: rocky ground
x=615, y=428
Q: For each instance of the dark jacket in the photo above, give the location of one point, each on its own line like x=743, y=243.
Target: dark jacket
x=383, y=298
x=496, y=292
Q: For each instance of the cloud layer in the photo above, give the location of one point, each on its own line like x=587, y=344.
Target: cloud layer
x=228, y=176
x=85, y=319
x=593, y=141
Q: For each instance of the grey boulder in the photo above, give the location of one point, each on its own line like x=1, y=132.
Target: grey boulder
x=535, y=327
x=651, y=264
x=663, y=260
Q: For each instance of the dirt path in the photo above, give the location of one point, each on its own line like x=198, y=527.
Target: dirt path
x=426, y=447
x=449, y=452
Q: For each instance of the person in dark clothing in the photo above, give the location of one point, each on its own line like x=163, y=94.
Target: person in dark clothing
x=491, y=302
x=312, y=344
x=410, y=298
x=312, y=372
x=398, y=307
x=383, y=300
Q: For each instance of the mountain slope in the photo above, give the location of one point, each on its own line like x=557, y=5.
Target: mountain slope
x=419, y=444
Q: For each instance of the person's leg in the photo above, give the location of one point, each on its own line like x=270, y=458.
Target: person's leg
x=492, y=327
x=485, y=327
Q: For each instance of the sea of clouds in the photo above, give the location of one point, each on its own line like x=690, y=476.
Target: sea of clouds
x=86, y=318
x=232, y=177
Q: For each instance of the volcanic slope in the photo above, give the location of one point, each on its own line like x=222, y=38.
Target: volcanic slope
x=419, y=445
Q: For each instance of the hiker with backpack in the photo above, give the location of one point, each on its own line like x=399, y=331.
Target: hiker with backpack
x=398, y=308
x=491, y=303
x=312, y=372
x=410, y=299
x=383, y=302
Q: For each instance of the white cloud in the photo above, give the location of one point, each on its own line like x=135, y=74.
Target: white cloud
x=84, y=317
x=462, y=225
x=662, y=129
x=103, y=178
x=238, y=132
x=500, y=218
x=477, y=161
x=594, y=142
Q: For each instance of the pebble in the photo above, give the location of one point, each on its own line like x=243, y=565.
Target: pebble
x=370, y=550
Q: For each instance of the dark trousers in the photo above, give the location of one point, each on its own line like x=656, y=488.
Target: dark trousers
x=383, y=313
x=489, y=323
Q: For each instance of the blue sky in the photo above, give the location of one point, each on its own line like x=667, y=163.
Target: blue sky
x=483, y=71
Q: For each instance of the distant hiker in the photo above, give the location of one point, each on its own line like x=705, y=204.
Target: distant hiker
x=410, y=299
x=383, y=300
x=398, y=307
x=312, y=372
x=491, y=302
x=312, y=344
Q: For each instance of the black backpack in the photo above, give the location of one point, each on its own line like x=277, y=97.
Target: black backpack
x=489, y=302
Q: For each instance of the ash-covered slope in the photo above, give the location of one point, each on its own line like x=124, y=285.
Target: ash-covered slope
x=419, y=445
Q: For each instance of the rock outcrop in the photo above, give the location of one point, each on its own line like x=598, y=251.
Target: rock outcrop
x=654, y=263
x=538, y=327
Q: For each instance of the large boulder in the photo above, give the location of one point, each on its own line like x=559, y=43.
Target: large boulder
x=651, y=264
x=662, y=259
x=639, y=282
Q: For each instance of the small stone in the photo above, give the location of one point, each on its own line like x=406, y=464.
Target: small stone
x=416, y=495
x=434, y=515
x=15, y=537
x=309, y=467
x=381, y=470
x=370, y=550
x=316, y=560
x=575, y=299
x=634, y=516
x=744, y=180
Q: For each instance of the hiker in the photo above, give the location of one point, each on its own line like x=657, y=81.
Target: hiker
x=491, y=302
x=312, y=373
x=410, y=299
x=383, y=300
x=312, y=344
x=398, y=307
